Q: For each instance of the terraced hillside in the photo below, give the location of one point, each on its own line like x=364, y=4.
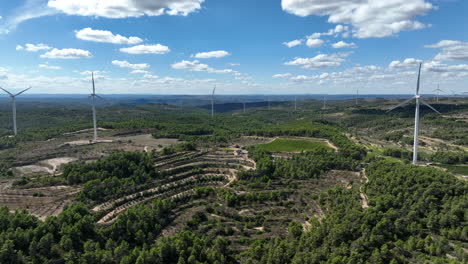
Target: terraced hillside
x=182, y=173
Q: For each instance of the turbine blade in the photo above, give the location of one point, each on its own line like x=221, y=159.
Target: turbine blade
x=214, y=89
x=6, y=91
x=22, y=91
x=424, y=102
x=103, y=99
x=419, y=78
x=401, y=104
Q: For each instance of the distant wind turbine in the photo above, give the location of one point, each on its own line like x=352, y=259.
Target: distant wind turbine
x=244, y=107
x=438, y=90
x=418, y=99
x=295, y=103
x=324, y=102
x=13, y=107
x=212, y=101
x=94, y=96
x=357, y=96
x=269, y=103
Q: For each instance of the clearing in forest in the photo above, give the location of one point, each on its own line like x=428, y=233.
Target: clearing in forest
x=294, y=145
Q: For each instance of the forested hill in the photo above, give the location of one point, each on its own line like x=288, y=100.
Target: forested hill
x=415, y=215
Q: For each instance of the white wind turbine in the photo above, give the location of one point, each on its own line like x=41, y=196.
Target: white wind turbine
x=324, y=102
x=418, y=99
x=94, y=96
x=212, y=101
x=357, y=96
x=438, y=90
x=295, y=103
x=13, y=107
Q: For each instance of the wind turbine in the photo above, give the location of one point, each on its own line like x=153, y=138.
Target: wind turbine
x=438, y=90
x=357, y=96
x=212, y=101
x=295, y=103
x=13, y=107
x=244, y=107
x=418, y=99
x=94, y=96
x=324, y=102
x=269, y=107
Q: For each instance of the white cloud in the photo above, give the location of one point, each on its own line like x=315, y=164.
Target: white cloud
x=106, y=36
x=126, y=64
x=320, y=61
x=282, y=75
x=146, y=49
x=339, y=30
x=211, y=54
x=293, y=43
x=234, y=64
x=31, y=9
x=370, y=18
x=33, y=47
x=66, y=54
x=139, y=72
x=126, y=8
x=452, y=50
x=150, y=76
x=198, y=67
x=314, y=43
x=405, y=64
x=342, y=45
x=50, y=67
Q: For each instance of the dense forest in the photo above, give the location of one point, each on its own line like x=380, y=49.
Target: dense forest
x=412, y=214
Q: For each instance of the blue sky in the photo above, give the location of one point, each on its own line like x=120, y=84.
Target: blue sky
x=242, y=46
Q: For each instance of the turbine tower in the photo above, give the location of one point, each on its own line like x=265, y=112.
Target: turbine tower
x=324, y=102
x=13, y=107
x=295, y=103
x=269, y=107
x=212, y=101
x=357, y=96
x=419, y=100
x=244, y=107
x=438, y=90
x=94, y=96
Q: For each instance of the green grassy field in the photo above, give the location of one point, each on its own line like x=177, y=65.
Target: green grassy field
x=457, y=169
x=293, y=145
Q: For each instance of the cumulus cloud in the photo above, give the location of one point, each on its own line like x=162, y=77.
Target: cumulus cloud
x=66, y=54
x=50, y=67
x=320, y=61
x=126, y=64
x=282, y=75
x=293, y=43
x=150, y=76
x=452, y=50
x=146, y=49
x=198, y=67
x=342, y=45
x=212, y=54
x=405, y=64
x=369, y=18
x=105, y=36
x=314, y=43
x=126, y=8
x=33, y=47
x=139, y=72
